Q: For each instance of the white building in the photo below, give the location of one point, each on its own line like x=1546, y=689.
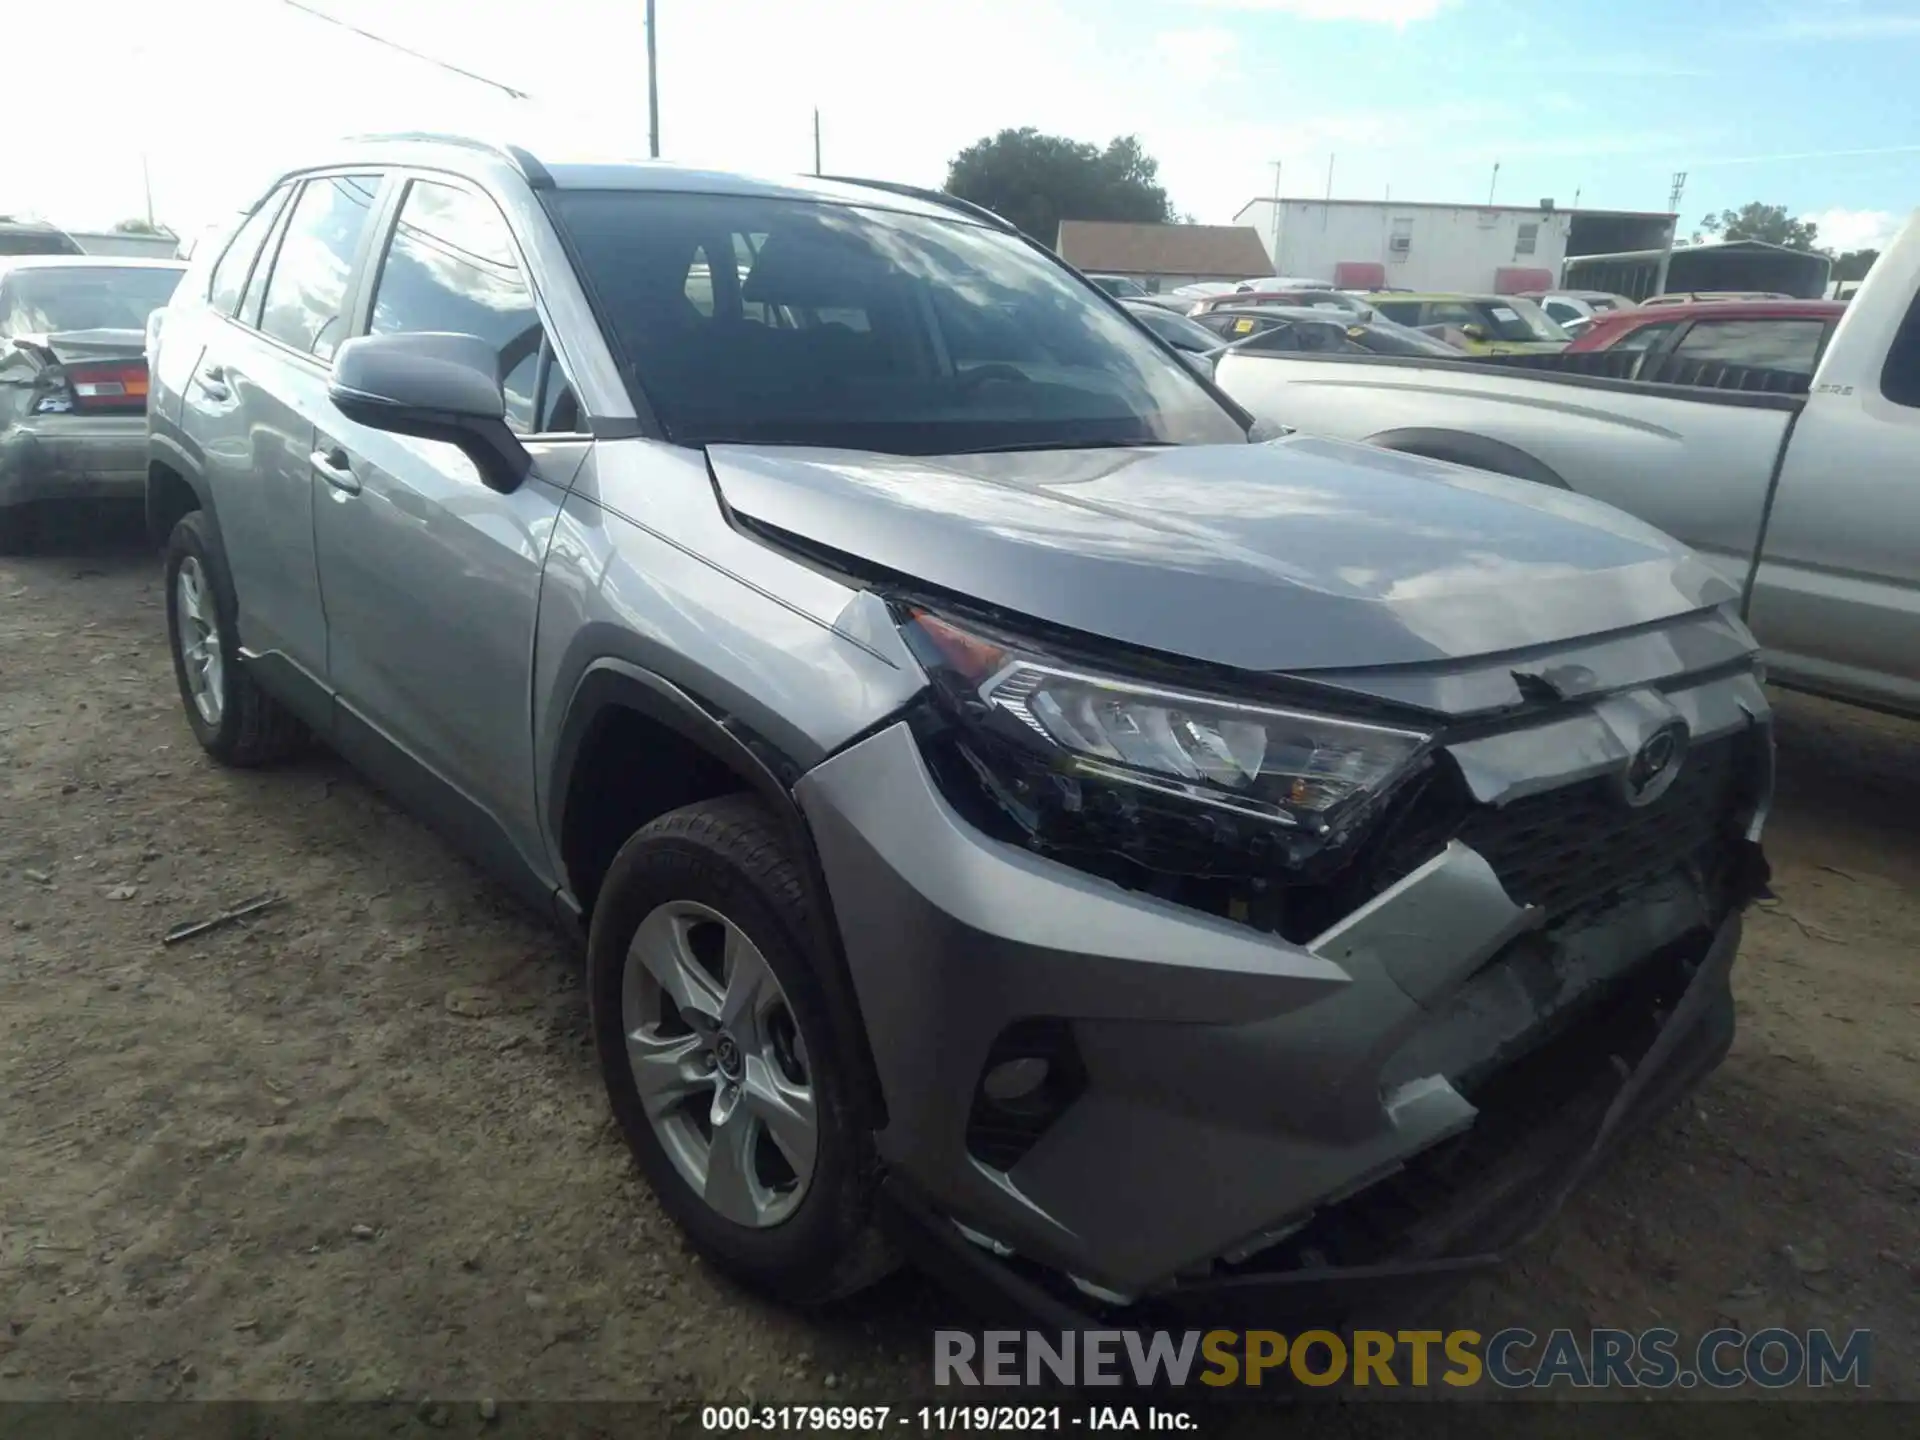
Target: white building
x=1372, y=244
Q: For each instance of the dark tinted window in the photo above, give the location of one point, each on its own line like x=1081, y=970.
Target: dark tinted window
x=86, y=297
x=451, y=266
x=1404, y=312
x=1900, y=377
x=1769, y=344
x=308, y=287
x=236, y=264
x=1646, y=337
x=1275, y=340
x=871, y=329
x=1177, y=330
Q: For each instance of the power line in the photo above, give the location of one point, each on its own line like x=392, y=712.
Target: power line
x=335, y=20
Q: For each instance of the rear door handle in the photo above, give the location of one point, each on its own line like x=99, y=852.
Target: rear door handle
x=213, y=381
x=334, y=469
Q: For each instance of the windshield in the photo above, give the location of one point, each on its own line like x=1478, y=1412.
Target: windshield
x=93, y=297
x=1118, y=285
x=868, y=329
x=1511, y=318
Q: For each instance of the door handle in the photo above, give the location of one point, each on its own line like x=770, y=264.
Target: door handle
x=213, y=381
x=333, y=468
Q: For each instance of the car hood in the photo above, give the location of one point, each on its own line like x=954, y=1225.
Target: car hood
x=1299, y=554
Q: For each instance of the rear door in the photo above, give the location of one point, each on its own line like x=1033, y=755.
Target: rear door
x=252, y=401
x=432, y=580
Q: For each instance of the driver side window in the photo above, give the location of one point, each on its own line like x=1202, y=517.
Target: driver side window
x=451, y=266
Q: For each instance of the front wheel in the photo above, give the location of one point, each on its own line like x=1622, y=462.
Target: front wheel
x=713, y=1044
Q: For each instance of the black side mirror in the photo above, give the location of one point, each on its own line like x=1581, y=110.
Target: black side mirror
x=437, y=387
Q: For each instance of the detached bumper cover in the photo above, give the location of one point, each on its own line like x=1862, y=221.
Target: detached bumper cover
x=1234, y=1083
x=64, y=457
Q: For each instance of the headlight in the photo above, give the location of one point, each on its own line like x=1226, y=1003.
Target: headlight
x=1273, y=780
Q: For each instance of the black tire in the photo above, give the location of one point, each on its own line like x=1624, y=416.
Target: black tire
x=730, y=855
x=254, y=728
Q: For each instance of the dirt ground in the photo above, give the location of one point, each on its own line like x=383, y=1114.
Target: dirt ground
x=356, y=1148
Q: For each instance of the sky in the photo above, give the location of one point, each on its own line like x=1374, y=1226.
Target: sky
x=1811, y=104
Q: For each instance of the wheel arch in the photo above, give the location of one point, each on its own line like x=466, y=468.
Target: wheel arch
x=700, y=753
x=175, y=487
x=1481, y=452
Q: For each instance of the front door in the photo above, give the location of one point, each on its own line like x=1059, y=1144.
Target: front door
x=431, y=580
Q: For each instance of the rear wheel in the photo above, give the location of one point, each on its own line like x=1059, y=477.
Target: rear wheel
x=235, y=721
x=712, y=1039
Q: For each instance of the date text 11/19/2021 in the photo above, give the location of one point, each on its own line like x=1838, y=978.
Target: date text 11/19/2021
x=943, y=1419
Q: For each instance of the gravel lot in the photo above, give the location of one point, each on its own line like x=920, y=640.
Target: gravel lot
x=356, y=1148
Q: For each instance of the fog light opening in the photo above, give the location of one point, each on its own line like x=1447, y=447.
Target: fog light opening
x=1015, y=1080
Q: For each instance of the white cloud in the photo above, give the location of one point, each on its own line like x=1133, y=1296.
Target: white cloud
x=1844, y=230
x=1396, y=13
x=1846, y=23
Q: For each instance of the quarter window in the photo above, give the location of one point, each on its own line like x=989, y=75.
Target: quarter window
x=230, y=275
x=307, y=292
x=451, y=266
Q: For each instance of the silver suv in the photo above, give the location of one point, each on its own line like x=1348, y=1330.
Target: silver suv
x=1015, y=813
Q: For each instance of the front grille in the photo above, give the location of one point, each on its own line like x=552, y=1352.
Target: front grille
x=1569, y=847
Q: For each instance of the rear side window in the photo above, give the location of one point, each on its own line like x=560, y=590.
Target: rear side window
x=1405, y=312
x=307, y=291
x=451, y=266
x=1792, y=345
x=1645, y=337
x=230, y=275
x=1900, y=377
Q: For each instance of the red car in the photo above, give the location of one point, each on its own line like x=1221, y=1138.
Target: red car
x=1768, y=334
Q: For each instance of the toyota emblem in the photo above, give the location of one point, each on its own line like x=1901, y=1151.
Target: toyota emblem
x=1656, y=764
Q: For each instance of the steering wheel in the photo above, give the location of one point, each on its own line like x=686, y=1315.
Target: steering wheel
x=994, y=370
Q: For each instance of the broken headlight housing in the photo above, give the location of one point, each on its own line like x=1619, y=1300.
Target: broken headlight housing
x=1179, y=781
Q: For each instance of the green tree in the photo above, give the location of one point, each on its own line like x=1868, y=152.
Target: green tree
x=1854, y=264
x=1757, y=221
x=138, y=225
x=1036, y=181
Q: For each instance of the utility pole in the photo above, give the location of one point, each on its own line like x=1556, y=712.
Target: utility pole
x=146, y=180
x=816, y=140
x=1673, y=229
x=653, y=88
x=1330, y=160
x=1494, y=183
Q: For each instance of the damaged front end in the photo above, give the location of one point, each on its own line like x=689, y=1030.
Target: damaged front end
x=1181, y=995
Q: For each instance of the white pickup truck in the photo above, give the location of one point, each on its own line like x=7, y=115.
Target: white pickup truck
x=1810, y=502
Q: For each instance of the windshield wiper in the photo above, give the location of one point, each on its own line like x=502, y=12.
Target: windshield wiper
x=1018, y=446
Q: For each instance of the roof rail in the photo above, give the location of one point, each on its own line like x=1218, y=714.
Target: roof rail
x=931, y=197
x=531, y=170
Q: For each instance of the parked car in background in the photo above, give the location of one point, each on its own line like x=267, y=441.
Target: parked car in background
x=1488, y=324
x=1014, y=813
x=1695, y=297
x=1805, y=501
x=1193, y=341
x=1292, y=299
x=33, y=237
x=1270, y=330
x=1574, y=309
x=1121, y=287
x=1765, y=334
x=73, y=380
x=1283, y=282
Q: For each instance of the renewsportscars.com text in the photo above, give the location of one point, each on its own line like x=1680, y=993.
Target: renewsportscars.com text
x=1513, y=1359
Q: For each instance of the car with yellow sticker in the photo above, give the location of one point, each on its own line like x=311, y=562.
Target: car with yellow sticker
x=1480, y=324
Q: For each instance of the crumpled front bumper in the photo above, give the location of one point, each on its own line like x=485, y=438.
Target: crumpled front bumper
x=73, y=457
x=1234, y=1083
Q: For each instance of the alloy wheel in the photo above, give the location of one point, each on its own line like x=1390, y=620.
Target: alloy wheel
x=197, y=632
x=721, y=1069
